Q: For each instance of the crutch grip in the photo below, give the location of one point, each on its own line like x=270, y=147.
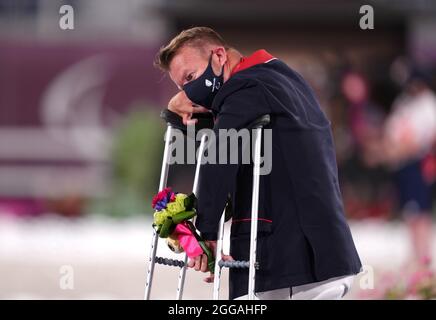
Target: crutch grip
x=236, y=264
x=169, y=262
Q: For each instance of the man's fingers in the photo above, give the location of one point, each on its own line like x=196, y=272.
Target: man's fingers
x=225, y=257
x=204, y=263
x=188, y=121
x=199, y=109
x=197, y=264
x=188, y=108
x=209, y=279
x=191, y=263
x=186, y=117
x=187, y=112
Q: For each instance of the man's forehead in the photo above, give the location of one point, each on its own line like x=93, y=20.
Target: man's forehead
x=185, y=59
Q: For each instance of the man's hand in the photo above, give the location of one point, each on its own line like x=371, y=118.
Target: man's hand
x=184, y=107
x=200, y=262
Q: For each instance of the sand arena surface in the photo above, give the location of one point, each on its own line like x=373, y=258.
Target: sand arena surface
x=109, y=256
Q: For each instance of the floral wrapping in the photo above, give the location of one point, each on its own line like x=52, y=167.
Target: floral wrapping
x=171, y=221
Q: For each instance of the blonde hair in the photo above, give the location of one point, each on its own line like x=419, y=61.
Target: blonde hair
x=196, y=37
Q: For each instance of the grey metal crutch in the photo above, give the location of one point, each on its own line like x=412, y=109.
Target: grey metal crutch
x=153, y=259
x=155, y=238
x=252, y=264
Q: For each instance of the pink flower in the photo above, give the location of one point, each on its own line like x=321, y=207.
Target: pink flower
x=161, y=200
x=417, y=278
x=173, y=197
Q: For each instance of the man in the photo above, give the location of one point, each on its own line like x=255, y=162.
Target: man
x=305, y=248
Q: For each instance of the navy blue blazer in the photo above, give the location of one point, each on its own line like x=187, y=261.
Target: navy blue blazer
x=303, y=234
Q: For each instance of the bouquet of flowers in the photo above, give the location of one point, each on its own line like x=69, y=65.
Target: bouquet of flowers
x=172, y=222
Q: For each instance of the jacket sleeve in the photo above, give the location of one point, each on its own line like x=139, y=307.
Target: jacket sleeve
x=218, y=180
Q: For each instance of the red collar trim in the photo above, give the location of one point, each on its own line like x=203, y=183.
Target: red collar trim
x=258, y=57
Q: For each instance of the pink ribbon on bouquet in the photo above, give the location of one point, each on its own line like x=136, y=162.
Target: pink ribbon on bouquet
x=187, y=240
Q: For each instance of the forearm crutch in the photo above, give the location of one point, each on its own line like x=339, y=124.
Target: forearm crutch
x=252, y=264
x=173, y=122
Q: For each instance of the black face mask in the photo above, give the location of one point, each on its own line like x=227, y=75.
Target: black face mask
x=203, y=90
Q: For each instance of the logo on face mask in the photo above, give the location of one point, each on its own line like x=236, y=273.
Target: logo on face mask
x=215, y=85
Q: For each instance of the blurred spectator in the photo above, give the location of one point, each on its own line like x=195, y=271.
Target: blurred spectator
x=364, y=116
x=365, y=187
x=409, y=136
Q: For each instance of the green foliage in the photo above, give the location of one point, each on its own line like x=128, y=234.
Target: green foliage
x=137, y=152
x=135, y=165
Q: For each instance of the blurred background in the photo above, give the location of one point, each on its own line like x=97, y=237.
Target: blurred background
x=81, y=140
